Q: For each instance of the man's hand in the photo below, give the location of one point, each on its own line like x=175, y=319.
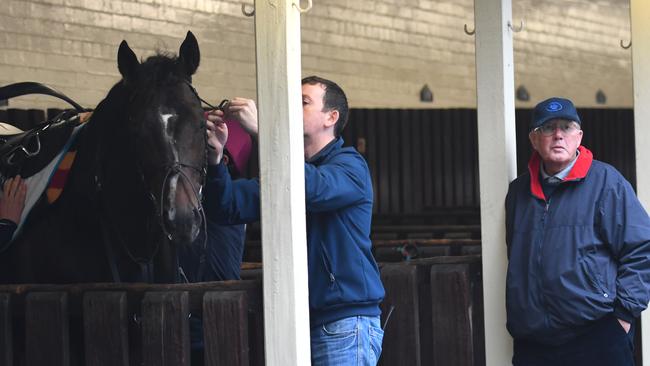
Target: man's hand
x=624, y=324
x=217, y=136
x=243, y=111
x=12, y=201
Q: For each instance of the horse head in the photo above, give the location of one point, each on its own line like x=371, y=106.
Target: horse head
x=163, y=133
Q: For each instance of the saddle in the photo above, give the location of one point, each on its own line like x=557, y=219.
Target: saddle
x=28, y=152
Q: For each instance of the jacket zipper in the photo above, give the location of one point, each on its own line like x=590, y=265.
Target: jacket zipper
x=547, y=204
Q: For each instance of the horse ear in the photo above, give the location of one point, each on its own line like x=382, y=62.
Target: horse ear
x=127, y=61
x=189, y=54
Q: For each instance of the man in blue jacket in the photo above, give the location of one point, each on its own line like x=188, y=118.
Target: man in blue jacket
x=344, y=284
x=579, y=251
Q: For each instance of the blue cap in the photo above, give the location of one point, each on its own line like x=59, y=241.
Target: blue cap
x=553, y=108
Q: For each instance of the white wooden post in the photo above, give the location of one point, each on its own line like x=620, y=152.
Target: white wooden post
x=640, y=13
x=279, y=95
x=497, y=162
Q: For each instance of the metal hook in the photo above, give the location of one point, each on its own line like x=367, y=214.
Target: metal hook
x=628, y=45
x=246, y=13
x=516, y=30
x=468, y=32
x=305, y=9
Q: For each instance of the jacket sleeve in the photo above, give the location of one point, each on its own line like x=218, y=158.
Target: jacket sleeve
x=230, y=202
x=7, y=228
x=625, y=225
x=337, y=184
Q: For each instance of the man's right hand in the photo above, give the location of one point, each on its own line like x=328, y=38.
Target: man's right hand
x=13, y=199
x=243, y=111
x=217, y=136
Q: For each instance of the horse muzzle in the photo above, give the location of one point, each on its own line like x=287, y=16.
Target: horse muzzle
x=182, y=212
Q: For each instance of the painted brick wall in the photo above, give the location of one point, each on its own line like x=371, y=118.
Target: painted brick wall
x=382, y=52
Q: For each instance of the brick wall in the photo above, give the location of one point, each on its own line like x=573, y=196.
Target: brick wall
x=382, y=52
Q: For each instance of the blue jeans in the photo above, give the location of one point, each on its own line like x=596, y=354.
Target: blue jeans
x=354, y=341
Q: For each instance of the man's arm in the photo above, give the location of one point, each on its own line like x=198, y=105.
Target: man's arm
x=625, y=225
x=226, y=201
x=338, y=184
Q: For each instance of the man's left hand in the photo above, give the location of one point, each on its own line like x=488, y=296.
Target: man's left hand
x=625, y=325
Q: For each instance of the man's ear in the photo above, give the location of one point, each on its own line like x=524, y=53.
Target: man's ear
x=533, y=141
x=332, y=118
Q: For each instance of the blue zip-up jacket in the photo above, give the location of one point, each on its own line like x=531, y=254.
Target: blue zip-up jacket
x=344, y=279
x=577, y=255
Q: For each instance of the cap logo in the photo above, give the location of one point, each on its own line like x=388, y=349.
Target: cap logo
x=554, y=107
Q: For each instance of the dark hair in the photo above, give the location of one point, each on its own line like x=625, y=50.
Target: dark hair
x=334, y=99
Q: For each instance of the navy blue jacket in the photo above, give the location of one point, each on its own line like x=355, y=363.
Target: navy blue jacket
x=577, y=255
x=343, y=275
x=223, y=253
x=7, y=229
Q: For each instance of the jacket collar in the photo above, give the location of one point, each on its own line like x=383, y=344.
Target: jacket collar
x=325, y=151
x=578, y=172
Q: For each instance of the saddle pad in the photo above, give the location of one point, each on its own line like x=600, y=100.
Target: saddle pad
x=37, y=183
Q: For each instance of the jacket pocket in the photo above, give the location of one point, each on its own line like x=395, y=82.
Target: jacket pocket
x=327, y=263
x=593, y=277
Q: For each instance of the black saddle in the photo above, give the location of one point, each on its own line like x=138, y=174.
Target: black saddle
x=29, y=152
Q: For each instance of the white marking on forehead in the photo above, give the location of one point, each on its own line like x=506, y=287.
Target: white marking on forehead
x=164, y=118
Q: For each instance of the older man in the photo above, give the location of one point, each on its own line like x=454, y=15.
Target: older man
x=579, y=251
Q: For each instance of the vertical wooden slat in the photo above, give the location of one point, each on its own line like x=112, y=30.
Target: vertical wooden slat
x=428, y=157
x=448, y=154
x=106, y=329
x=437, y=133
x=18, y=118
x=371, y=124
x=395, y=161
x=35, y=116
x=383, y=157
x=165, y=329
x=402, y=333
x=417, y=155
x=406, y=163
x=47, y=329
x=226, y=339
x=6, y=330
x=453, y=342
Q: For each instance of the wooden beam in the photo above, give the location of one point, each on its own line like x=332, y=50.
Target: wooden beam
x=497, y=162
x=279, y=93
x=640, y=13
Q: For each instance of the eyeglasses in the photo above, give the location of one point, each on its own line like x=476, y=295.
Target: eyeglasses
x=566, y=127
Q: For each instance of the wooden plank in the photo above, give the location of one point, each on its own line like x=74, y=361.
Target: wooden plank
x=640, y=29
x=402, y=335
x=451, y=301
x=47, y=336
x=106, y=334
x=226, y=333
x=372, y=155
x=18, y=118
x=395, y=161
x=405, y=165
x=6, y=330
x=417, y=154
x=165, y=329
x=35, y=116
x=383, y=157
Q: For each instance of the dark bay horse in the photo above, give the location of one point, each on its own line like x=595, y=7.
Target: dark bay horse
x=133, y=193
